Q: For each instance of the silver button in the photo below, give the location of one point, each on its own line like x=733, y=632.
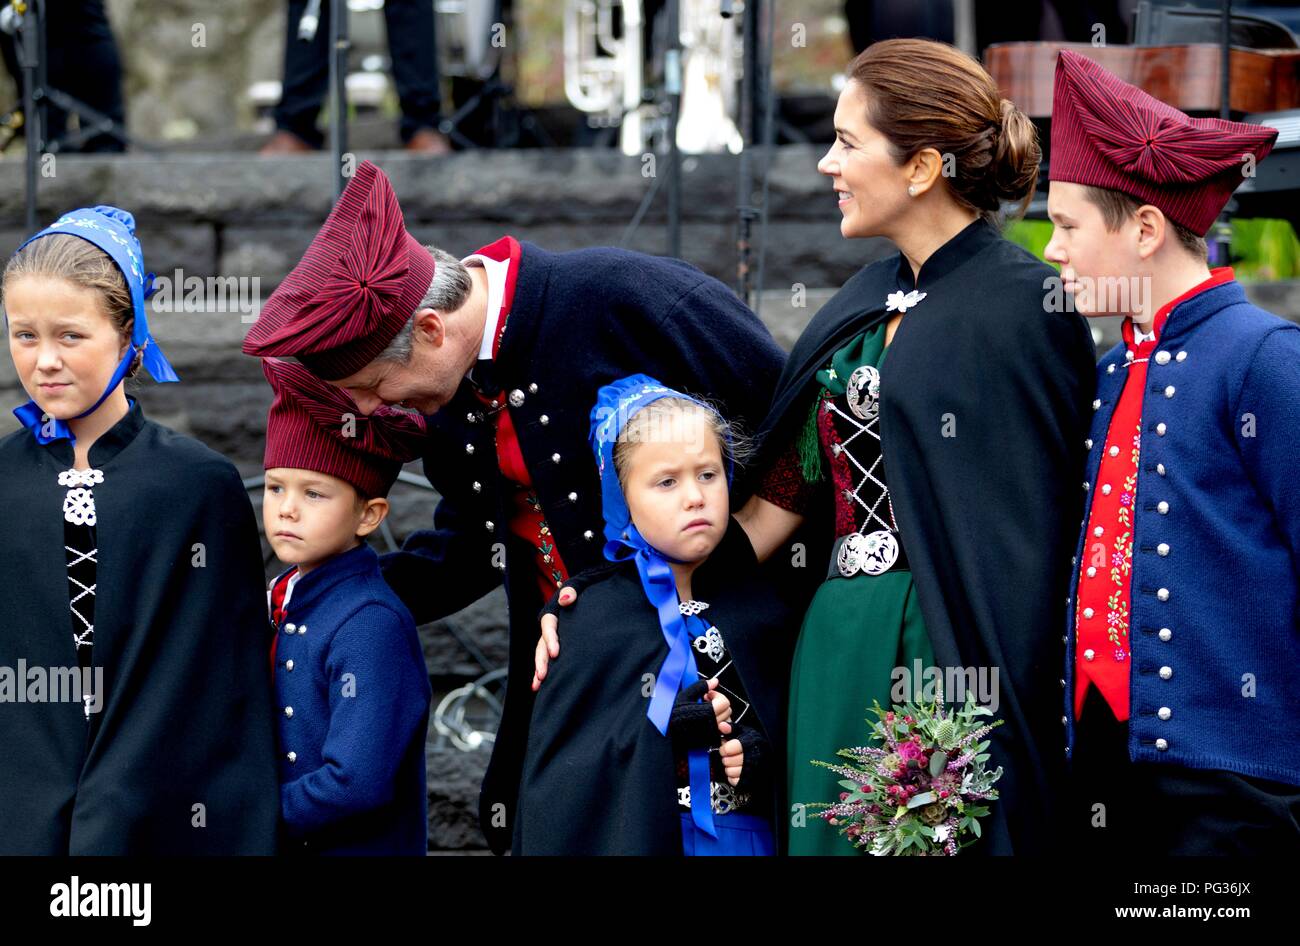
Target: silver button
x=555, y=458
x=573, y=497
x=1110, y=369
x=1096, y=405
x=469, y=448
x=1092, y=572
x=1162, y=744
x=1085, y=487
x=1105, y=489
x=1164, y=712
x=1162, y=507
x=291, y=628
x=1163, y=594
x=478, y=487
x=1065, y=721
x=516, y=398
x=1160, y=429
x=1128, y=356
x=288, y=711
x=588, y=535
x=1074, y=560
x=544, y=420
x=1162, y=549
x=302, y=628
x=490, y=525
x=1062, y=684
x=1114, y=451
x=532, y=389
x=1087, y=613
x=1088, y=443
x=1160, y=468
x=1162, y=357
x=1182, y=356
x=1166, y=673
x=292, y=756
x=1064, y=639
x=470, y=417
x=1089, y=654
x=1098, y=532
x=1165, y=634
x=288, y=665
x=1169, y=391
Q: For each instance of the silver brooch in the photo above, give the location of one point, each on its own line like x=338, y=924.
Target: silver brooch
x=864, y=392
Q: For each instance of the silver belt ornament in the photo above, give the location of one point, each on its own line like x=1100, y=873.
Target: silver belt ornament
x=723, y=799
x=874, y=553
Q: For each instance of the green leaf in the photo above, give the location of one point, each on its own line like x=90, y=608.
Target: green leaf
x=975, y=827
x=851, y=786
x=924, y=798
x=937, y=762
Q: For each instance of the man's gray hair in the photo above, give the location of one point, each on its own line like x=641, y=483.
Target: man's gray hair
x=447, y=292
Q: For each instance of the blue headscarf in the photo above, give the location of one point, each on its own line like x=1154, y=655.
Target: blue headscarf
x=615, y=405
x=113, y=231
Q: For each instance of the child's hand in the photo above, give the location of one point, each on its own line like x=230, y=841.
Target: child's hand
x=721, y=707
x=733, y=759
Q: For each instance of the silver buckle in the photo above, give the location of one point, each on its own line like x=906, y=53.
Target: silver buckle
x=874, y=553
x=723, y=799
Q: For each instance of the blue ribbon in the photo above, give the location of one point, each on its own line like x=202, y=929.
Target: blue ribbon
x=112, y=230
x=615, y=405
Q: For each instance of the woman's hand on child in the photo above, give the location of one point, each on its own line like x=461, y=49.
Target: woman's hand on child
x=733, y=759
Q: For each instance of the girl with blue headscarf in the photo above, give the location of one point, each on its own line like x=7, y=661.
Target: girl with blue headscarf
x=669, y=687
x=132, y=680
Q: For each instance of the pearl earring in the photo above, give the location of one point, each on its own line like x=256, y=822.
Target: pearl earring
x=911, y=190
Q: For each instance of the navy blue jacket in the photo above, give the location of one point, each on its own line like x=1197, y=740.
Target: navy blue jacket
x=352, y=698
x=1214, y=631
x=579, y=320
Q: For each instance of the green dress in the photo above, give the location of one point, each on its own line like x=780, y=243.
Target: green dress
x=858, y=628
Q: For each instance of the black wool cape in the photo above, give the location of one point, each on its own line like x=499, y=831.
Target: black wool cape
x=985, y=404
x=180, y=757
x=598, y=778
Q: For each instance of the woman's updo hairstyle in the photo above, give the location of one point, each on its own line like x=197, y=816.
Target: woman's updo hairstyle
x=924, y=94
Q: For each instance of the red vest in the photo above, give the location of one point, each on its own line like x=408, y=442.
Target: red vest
x=527, y=519
x=1102, y=651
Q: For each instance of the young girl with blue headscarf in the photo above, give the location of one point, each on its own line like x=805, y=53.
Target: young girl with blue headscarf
x=653, y=734
x=133, y=682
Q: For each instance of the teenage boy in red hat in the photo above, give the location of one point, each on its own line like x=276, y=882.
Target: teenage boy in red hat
x=352, y=691
x=1182, y=701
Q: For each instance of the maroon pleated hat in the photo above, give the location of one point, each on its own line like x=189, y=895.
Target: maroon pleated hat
x=1107, y=133
x=355, y=287
x=313, y=425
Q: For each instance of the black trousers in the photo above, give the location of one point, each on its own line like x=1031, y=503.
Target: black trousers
x=411, y=46
x=81, y=60
x=1161, y=810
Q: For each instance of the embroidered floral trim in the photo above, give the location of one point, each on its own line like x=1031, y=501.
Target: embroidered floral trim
x=545, y=542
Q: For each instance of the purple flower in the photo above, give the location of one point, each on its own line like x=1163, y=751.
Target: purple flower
x=1126, y=499
x=1113, y=619
x=1120, y=654
x=1117, y=559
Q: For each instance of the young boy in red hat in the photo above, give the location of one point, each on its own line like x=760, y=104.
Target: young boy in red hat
x=1182, y=704
x=351, y=687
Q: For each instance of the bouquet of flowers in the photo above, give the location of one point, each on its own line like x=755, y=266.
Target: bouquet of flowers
x=918, y=791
